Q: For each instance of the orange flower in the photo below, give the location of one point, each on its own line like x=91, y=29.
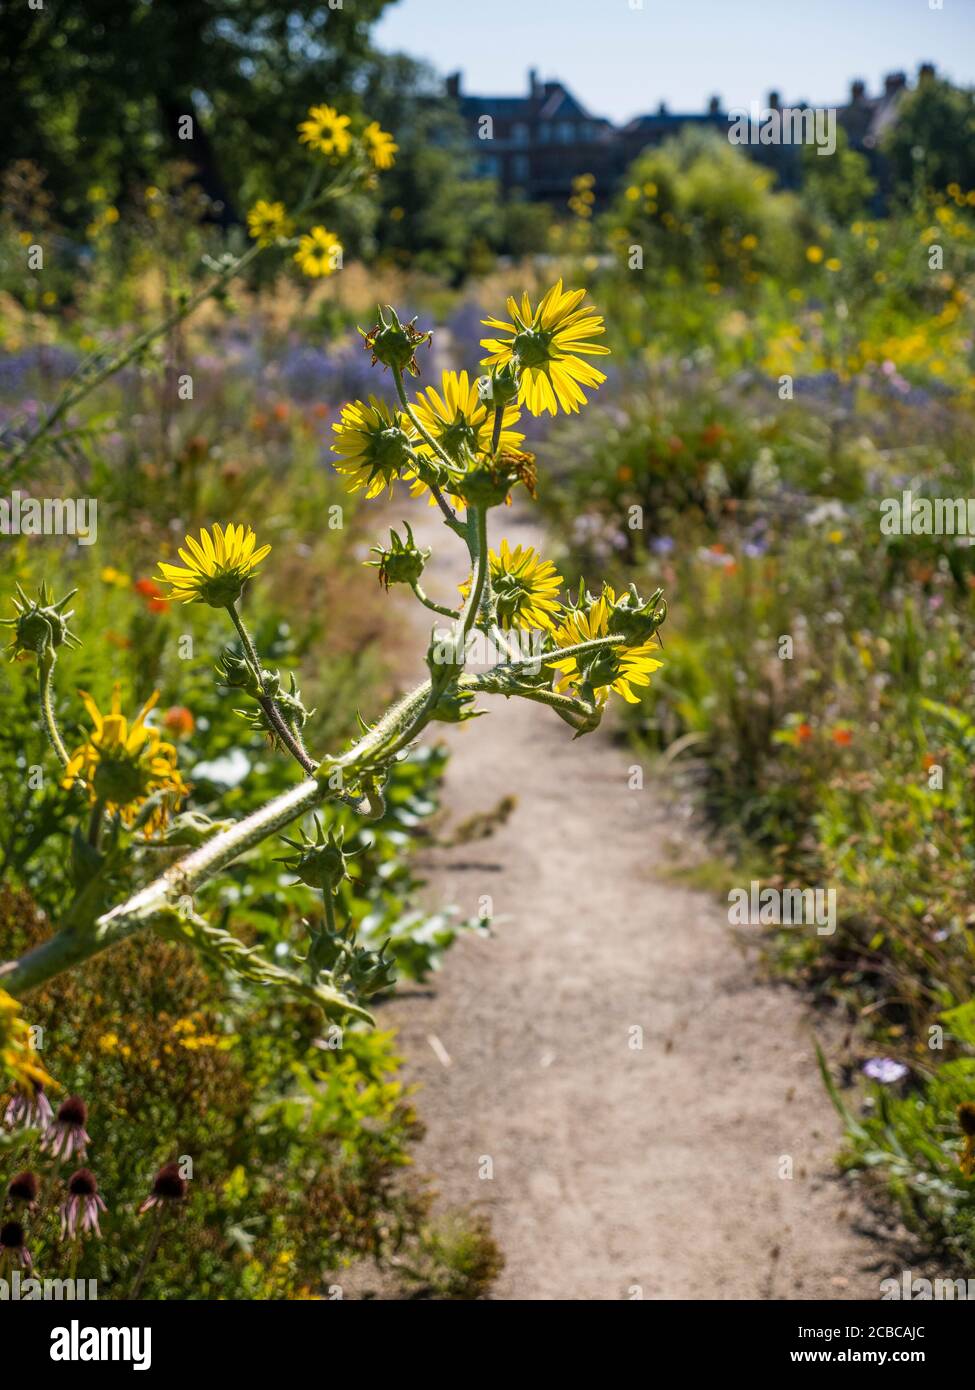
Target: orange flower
x=804, y=733
x=842, y=737
x=147, y=588
x=280, y=411
x=179, y=720
x=712, y=434
x=675, y=444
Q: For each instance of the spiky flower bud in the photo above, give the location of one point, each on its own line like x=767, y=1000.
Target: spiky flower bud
x=322, y=862
x=636, y=620
x=403, y=562
x=394, y=344
x=40, y=624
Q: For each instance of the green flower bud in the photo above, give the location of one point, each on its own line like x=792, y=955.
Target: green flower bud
x=40, y=624
x=499, y=387
x=635, y=619
x=403, y=562
x=320, y=863
x=394, y=344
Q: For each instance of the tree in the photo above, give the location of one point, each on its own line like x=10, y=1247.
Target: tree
x=933, y=139
x=99, y=90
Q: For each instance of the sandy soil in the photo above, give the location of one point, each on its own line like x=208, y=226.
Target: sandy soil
x=615, y=1171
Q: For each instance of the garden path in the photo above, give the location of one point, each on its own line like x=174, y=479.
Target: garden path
x=614, y=1169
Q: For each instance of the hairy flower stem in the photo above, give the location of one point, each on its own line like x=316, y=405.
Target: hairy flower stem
x=288, y=737
x=46, y=661
x=429, y=603
x=496, y=432
x=152, y=1245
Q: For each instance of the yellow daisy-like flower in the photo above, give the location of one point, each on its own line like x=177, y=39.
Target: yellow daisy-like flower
x=124, y=764
x=546, y=343
x=372, y=442
x=217, y=568
x=325, y=130
x=618, y=668
x=268, y=221
x=380, y=146
x=319, y=253
x=525, y=586
x=456, y=417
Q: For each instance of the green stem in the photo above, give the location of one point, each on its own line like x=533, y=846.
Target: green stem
x=285, y=734
x=152, y=1245
x=95, y=823
x=477, y=523
x=45, y=671
x=434, y=607
x=496, y=432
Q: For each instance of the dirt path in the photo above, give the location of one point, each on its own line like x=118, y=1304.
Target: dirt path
x=613, y=1167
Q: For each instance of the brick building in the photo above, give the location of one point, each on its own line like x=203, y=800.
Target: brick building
x=535, y=144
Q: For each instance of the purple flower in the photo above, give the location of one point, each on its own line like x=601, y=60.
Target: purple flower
x=884, y=1069
x=66, y=1134
x=662, y=545
x=83, y=1204
x=169, y=1186
x=30, y=1108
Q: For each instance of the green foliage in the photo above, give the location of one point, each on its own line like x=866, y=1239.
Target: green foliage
x=932, y=142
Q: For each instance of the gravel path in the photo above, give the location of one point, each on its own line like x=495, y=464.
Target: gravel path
x=611, y=1170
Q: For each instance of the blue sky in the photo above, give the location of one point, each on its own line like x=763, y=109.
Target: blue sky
x=621, y=59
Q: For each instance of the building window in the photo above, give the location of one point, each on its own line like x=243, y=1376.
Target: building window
x=519, y=133
x=520, y=168
x=565, y=132
x=487, y=166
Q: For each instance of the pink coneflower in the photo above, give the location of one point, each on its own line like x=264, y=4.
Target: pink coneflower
x=29, y=1108
x=169, y=1185
x=66, y=1134
x=83, y=1204
x=13, y=1252
x=23, y=1189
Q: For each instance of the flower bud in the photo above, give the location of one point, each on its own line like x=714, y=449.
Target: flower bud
x=394, y=344
x=320, y=863
x=40, y=624
x=403, y=562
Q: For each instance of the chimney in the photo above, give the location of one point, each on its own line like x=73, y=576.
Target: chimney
x=535, y=88
x=925, y=72
x=773, y=101
x=858, y=92
x=714, y=106
x=894, y=82
x=453, y=84
x=662, y=109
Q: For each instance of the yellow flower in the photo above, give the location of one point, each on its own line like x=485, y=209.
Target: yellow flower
x=526, y=587
x=457, y=417
x=833, y=263
x=546, y=343
x=268, y=221
x=814, y=254
x=124, y=765
x=110, y=575
x=372, y=442
x=619, y=668
x=18, y=1060
x=319, y=253
x=380, y=146
x=326, y=130
x=216, y=568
